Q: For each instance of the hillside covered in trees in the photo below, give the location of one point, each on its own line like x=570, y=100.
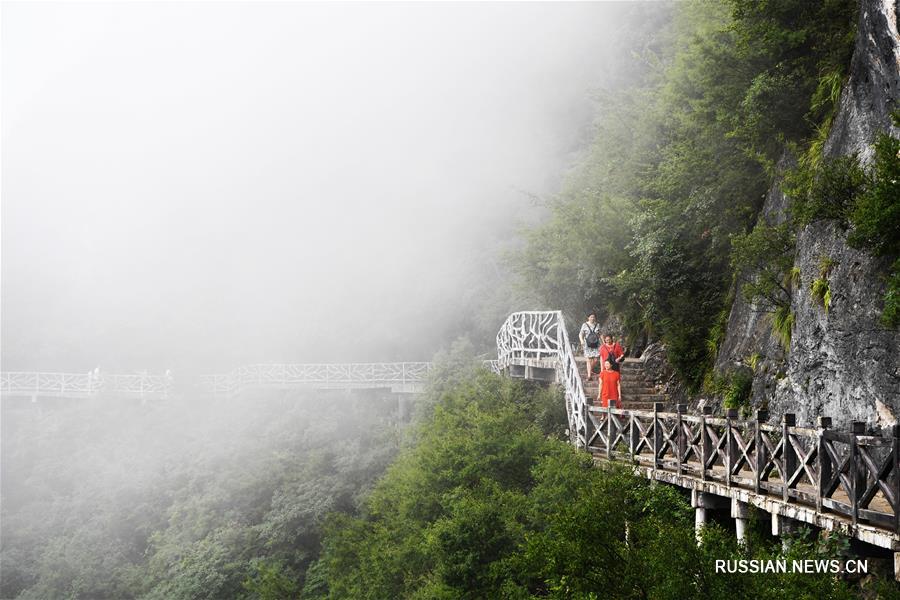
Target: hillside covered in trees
x=713, y=170
x=179, y=499
x=491, y=502
x=701, y=179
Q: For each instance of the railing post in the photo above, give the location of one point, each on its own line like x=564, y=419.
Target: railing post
x=759, y=455
x=632, y=435
x=895, y=450
x=680, y=438
x=789, y=464
x=856, y=428
x=657, y=435
x=609, y=432
x=823, y=460
x=730, y=446
x=705, y=443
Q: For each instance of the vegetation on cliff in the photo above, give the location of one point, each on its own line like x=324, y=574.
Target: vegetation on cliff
x=680, y=164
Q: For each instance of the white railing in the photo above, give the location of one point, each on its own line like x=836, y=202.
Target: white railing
x=532, y=338
x=402, y=375
x=31, y=383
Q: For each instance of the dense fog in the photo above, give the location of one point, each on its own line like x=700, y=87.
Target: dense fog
x=191, y=187
x=196, y=186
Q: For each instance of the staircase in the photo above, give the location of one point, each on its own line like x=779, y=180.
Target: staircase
x=637, y=392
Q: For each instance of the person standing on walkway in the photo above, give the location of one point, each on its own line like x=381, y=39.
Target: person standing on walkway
x=611, y=353
x=589, y=335
x=610, y=386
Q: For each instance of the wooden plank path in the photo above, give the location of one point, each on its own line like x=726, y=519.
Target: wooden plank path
x=847, y=481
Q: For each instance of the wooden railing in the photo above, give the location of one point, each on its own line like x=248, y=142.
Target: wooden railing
x=850, y=473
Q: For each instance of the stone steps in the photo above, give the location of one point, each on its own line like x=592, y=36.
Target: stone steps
x=637, y=392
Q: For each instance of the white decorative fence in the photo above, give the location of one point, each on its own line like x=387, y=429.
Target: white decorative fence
x=405, y=376
x=539, y=339
x=75, y=385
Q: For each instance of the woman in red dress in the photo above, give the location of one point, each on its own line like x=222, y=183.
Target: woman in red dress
x=612, y=352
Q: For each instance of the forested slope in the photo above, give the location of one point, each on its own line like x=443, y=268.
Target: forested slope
x=491, y=502
x=185, y=498
x=664, y=224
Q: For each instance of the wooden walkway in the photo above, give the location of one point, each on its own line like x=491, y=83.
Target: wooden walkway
x=847, y=481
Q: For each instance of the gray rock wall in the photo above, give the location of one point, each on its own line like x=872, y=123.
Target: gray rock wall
x=749, y=329
x=842, y=363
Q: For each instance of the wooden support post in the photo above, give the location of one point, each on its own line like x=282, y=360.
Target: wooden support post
x=730, y=446
x=759, y=454
x=895, y=450
x=823, y=461
x=789, y=455
x=680, y=440
x=657, y=435
x=609, y=432
x=705, y=442
x=632, y=435
x=856, y=428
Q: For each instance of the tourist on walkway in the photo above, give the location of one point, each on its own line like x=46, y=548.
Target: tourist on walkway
x=610, y=386
x=590, y=340
x=611, y=352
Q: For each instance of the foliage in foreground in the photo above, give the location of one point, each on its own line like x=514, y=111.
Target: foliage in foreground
x=487, y=505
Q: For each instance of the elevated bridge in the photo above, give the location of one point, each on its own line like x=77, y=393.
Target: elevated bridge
x=398, y=377
x=35, y=384
x=846, y=481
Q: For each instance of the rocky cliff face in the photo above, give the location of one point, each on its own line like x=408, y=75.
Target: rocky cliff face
x=842, y=363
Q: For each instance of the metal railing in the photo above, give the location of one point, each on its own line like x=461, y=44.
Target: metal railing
x=317, y=375
x=403, y=376
x=75, y=385
x=532, y=337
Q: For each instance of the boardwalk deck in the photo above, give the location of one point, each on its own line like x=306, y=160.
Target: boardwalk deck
x=847, y=481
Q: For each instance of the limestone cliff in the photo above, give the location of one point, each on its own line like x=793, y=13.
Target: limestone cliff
x=841, y=363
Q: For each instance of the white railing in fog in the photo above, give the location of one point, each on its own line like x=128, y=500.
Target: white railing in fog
x=318, y=375
x=399, y=376
x=531, y=338
x=31, y=383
